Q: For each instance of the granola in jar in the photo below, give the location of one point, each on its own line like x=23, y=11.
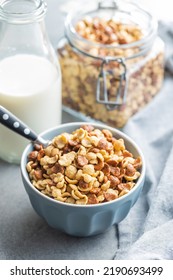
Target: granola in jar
x=112, y=63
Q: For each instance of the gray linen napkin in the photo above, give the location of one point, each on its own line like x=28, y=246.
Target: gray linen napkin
x=147, y=232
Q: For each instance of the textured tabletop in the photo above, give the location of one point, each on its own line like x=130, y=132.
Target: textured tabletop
x=146, y=233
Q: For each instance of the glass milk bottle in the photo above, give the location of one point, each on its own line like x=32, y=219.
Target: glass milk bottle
x=30, y=76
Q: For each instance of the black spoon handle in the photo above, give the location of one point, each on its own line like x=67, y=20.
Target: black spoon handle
x=13, y=123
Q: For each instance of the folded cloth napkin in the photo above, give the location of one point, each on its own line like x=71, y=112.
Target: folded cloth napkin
x=166, y=32
x=147, y=232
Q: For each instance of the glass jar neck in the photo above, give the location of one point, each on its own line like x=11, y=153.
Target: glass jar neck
x=122, y=10
x=22, y=11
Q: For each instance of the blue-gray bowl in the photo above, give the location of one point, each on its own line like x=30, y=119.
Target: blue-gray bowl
x=82, y=220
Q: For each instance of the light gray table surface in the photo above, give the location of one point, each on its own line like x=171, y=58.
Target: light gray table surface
x=145, y=233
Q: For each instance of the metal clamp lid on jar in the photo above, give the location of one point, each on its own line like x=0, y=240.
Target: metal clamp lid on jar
x=144, y=45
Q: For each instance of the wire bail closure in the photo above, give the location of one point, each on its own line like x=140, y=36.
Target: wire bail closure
x=102, y=92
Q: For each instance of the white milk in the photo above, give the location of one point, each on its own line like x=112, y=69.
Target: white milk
x=30, y=87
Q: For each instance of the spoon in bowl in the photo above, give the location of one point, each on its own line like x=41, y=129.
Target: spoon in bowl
x=15, y=124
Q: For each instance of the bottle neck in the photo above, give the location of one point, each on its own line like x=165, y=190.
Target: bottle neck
x=23, y=38
x=22, y=11
x=22, y=28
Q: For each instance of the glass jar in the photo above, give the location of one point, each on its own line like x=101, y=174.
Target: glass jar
x=30, y=76
x=112, y=61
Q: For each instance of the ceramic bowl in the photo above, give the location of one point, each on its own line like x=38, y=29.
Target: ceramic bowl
x=82, y=220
